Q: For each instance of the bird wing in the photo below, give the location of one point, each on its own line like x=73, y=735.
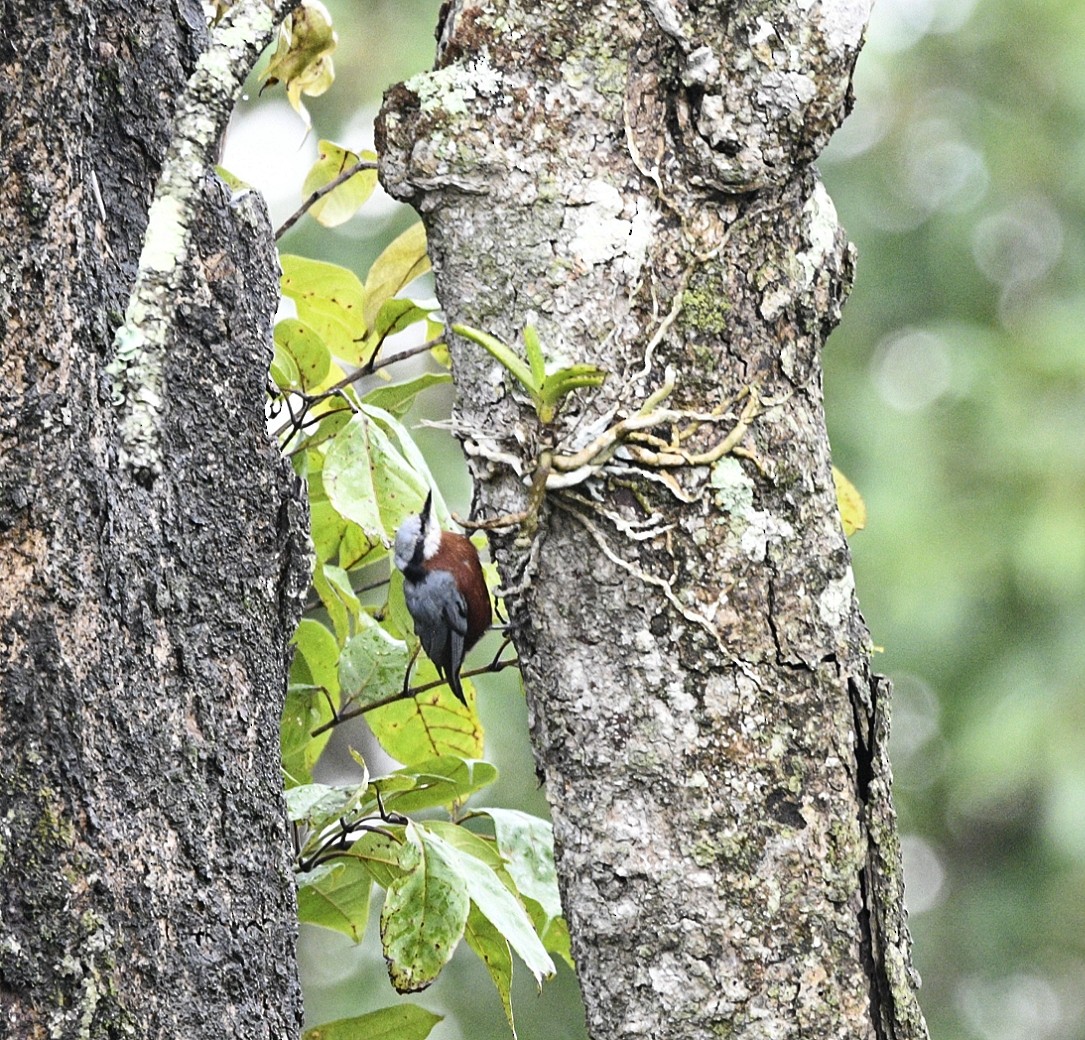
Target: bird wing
x=456, y=616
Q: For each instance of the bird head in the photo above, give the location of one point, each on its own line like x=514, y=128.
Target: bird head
x=418, y=537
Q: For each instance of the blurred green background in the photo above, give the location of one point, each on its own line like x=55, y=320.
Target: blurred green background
x=955, y=390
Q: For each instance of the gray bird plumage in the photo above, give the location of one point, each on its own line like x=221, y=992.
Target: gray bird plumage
x=440, y=622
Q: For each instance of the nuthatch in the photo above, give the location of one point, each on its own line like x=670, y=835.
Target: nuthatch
x=445, y=591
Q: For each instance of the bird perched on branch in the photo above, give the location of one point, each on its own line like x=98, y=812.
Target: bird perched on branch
x=445, y=591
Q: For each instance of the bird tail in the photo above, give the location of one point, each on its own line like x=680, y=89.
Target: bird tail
x=456, y=686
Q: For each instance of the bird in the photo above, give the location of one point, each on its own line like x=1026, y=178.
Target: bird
x=445, y=591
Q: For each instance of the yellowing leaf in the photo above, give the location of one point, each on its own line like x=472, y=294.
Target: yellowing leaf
x=302, y=58
x=850, y=502
x=303, y=345
x=342, y=202
x=431, y=724
x=400, y=264
x=329, y=299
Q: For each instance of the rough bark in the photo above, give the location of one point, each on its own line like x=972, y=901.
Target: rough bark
x=635, y=180
x=145, y=608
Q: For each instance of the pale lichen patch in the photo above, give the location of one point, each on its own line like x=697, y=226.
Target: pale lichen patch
x=601, y=233
x=450, y=89
x=763, y=528
x=835, y=602
x=164, y=242
x=136, y=369
x=843, y=22
x=732, y=489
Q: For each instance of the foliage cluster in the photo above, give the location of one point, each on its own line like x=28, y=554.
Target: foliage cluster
x=483, y=875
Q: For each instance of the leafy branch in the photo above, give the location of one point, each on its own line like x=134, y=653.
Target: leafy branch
x=344, y=715
x=546, y=387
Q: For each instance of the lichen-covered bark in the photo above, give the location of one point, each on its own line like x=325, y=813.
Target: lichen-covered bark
x=636, y=181
x=144, y=614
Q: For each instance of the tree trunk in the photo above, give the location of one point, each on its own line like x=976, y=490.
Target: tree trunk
x=636, y=182
x=151, y=574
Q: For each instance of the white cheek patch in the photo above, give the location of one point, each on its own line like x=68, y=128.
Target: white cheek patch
x=433, y=536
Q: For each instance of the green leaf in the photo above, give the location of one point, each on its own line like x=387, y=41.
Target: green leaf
x=424, y=916
x=388, y=859
x=284, y=369
x=481, y=846
x=333, y=586
x=316, y=805
x=397, y=618
x=431, y=724
x=554, y=932
x=332, y=533
x=340, y=204
x=372, y=665
x=327, y=527
x=402, y=261
x=311, y=356
x=398, y=503
x=337, y=416
x=503, y=353
x=356, y=548
x=368, y=479
x=534, y=355
x=348, y=474
x=401, y=1022
x=395, y=316
x=402, y=476
x=337, y=899
x=566, y=380
x=236, y=185
x=500, y=907
x=340, y=582
x=397, y=398
x=314, y=689
x=437, y=781
x=316, y=659
x=492, y=949
x=546, y=391
x=330, y=300
x=527, y=844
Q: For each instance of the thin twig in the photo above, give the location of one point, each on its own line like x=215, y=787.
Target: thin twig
x=414, y=691
x=299, y=422
x=312, y=200
x=373, y=365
